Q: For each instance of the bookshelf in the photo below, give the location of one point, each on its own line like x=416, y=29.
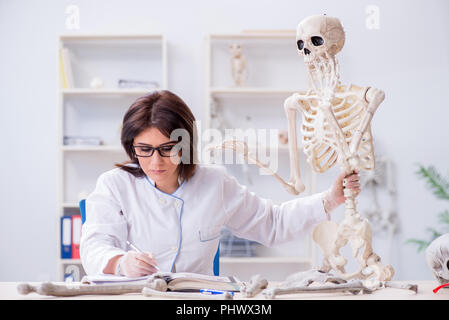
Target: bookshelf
x=100, y=76
x=274, y=72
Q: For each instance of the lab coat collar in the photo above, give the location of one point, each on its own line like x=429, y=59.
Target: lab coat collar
x=151, y=181
x=180, y=182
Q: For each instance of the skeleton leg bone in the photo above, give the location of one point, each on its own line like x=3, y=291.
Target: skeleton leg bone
x=354, y=286
x=407, y=286
x=63, y=290
x=72, y=289
x=305, y=278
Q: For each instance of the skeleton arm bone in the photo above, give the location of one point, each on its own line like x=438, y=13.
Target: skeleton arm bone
x=374, y=97
x=338, y=134
x=241, y=147
x=291, y=105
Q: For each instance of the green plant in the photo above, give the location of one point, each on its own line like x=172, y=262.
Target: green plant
x=440, y=188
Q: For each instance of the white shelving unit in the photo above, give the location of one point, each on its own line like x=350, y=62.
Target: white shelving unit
x=84, y=111
x=275, y=71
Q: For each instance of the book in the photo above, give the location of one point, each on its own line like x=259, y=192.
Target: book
x=185, y=281
x=137, y=84
x=66, y=237
x=112, y=279
x=76, y=236
x=62, y=71
x=83, y=141
x=67, y=65
x=181, y=281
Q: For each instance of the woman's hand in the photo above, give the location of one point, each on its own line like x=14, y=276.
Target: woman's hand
x=335, y=195
x=137, y=264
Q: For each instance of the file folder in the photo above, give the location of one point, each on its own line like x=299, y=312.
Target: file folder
x=66, y=237
x=76, y=236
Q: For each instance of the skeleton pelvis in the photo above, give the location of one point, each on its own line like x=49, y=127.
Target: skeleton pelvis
x=331, y=237
x=325, y=235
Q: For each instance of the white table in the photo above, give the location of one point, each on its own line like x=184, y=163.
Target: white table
x=8, y=291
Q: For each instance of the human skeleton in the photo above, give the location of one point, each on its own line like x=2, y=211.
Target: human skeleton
x=335, y=129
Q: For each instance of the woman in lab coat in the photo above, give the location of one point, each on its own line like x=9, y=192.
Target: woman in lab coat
x=174, y=210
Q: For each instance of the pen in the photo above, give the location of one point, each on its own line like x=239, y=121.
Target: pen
x=138, y=250
x=210, y=291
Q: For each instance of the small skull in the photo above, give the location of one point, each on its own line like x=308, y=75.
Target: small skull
x=319, y=36
x=437, y=257
x=236, y=50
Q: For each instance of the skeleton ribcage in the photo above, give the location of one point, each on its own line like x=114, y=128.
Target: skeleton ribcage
x=318, y=139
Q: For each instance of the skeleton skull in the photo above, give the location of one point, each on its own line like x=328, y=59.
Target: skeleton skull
x=437, y=256
x=319, y=36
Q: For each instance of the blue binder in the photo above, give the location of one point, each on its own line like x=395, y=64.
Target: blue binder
x=66, y=237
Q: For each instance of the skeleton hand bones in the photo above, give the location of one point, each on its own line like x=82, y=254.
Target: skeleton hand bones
x=335, y=195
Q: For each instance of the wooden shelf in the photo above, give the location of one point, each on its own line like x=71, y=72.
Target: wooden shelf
x=223, y=92
x=93, y=148
x=103, y=92
x=264, y=260
x=70, y=261
x=109, y=37
x=281, y=147
x=287, y=34
x=70, y=205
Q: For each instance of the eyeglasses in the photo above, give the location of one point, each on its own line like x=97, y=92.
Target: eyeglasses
x=147, y=151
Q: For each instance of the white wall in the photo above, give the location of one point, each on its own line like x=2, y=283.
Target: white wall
x=408, y=57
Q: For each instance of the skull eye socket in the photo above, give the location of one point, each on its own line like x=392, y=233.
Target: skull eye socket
x=300, y=44
x=317, y=41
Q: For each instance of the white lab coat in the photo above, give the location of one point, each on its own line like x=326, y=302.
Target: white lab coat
x=182, y=229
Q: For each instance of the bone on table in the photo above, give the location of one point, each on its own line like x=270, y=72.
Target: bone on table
x=353, y=286
x=255, y=285
x=71, y=289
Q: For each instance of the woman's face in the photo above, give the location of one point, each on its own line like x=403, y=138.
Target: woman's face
x=162, y=170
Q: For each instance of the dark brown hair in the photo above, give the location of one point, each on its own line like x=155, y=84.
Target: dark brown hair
x=165, y=111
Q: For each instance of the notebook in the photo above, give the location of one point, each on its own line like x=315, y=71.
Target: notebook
x=112, y=279
x=181, y=281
